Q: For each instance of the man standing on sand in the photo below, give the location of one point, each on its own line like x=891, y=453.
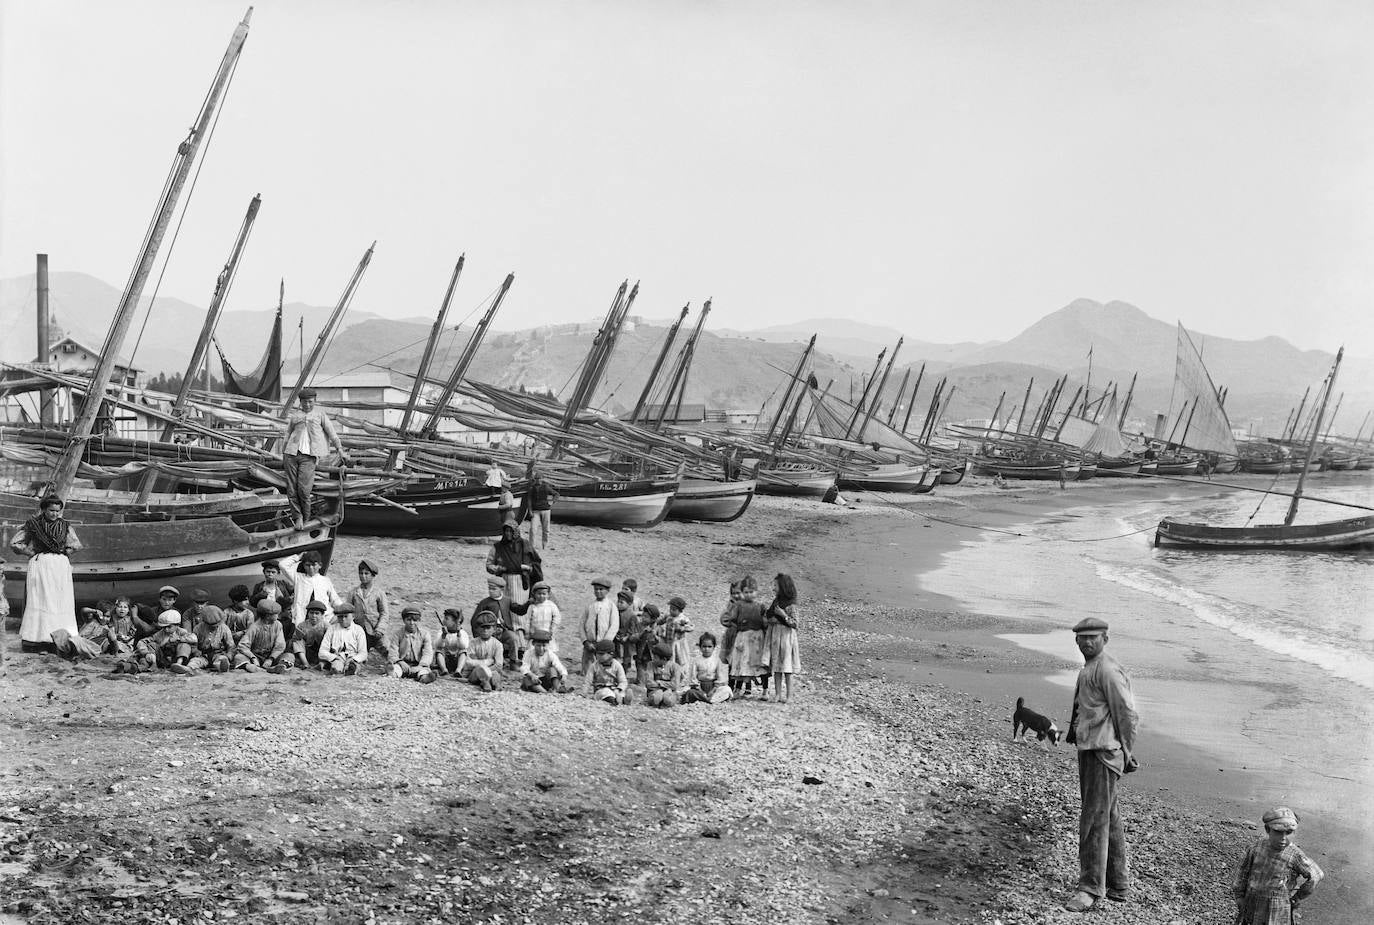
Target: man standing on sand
x=309, y=435
x=1103, y=728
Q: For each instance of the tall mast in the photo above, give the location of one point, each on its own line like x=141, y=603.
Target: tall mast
x=911, y=404
x=878, y=392
x=1020, y=422
x=944, y=406
x=993, y=420
x=679, y=382
x=901, y=393
x=791, y=384
x=1297, y=418
x=863, y=399
x=1067, y=414
x=65, y=471
x=1312, y=444
x=317, y=351
x=590, y=372
x=460, y=369
x=427, y=357
x=668, y=340
x=611, y=344
x=207, y=330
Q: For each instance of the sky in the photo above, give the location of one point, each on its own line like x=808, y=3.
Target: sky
x=955, y=170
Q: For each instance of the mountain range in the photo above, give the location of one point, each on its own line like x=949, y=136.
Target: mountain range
x=737, y=369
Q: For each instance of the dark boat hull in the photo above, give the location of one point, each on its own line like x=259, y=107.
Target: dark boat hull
x=1352, y=533
x=1007, y=469
x=712, y=501
x=806, y=483
x=951, y=475
x=1118, y=469
x=459, y=506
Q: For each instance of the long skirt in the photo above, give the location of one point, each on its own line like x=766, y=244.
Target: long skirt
x=515, y=588
x=780, y=649
x=49, y=601
x=747, y=660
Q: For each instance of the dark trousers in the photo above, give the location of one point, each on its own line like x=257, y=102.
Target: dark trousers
x=1102, y=862
x=300, y=481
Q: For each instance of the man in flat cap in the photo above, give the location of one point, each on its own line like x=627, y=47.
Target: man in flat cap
x=309, y=435
x=1103, y=728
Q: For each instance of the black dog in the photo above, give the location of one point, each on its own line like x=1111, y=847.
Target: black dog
x=1025, y=718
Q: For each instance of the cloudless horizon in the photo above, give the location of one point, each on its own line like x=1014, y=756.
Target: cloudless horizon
x=952, y=170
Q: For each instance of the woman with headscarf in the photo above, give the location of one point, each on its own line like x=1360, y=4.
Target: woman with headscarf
x=514, y=561
x=49, y=599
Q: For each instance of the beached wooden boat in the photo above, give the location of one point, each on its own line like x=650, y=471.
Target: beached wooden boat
x=94, y=505
x=894, y=477
x=635, y=504
x=711, y=500
x=1352, y=533
x=795, y=481
x=135, y=559
x=1124, y=468
x=438, y=507
x=1012, y=469
x=1176, y=465
x=1263, y=466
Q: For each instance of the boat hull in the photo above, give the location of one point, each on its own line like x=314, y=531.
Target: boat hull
x=712, y=501
x=459, y=506
x=951, y=475
x=806, y=483
x=1113, y=470
x=915, y=480
x=1352, y=533
x=987, y=465
x=91, y=506
x=135, y=559
x=1188, y=467
x=636, y=504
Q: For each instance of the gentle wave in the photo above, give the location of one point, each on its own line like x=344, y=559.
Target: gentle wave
x=1235, y=618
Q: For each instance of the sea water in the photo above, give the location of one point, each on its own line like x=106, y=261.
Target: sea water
x=1099, y=559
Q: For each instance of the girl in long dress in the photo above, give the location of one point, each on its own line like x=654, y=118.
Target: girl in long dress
x=780, y=639
x=49, y=599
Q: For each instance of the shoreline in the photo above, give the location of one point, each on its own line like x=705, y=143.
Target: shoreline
x=902, y=710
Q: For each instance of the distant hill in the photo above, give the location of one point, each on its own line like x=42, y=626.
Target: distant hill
x=742, y=370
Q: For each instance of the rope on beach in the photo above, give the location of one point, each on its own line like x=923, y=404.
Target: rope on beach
x=1031, y=536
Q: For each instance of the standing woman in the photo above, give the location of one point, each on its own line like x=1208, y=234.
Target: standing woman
x=515, y=562
x=780, y=639
x=49, y=600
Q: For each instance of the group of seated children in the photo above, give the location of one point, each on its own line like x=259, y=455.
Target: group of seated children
x=282, y=623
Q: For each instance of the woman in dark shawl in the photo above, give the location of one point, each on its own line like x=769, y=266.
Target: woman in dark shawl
x=49, y=600
x=515, y=561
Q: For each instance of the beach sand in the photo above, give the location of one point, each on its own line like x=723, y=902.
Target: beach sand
x=261, y=797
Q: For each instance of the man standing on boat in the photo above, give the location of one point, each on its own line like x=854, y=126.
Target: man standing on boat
x=1103, y=728
x=309, y=435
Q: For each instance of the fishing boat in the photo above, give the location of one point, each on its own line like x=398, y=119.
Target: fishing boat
x=1350, y=533
x=1013, y=468
x=795, y=481
x=893, y=477
x=450, y=506
x=711, y=500
x=636, y=504
x=1123, y=467
x=953, y=474
x=1200, y=426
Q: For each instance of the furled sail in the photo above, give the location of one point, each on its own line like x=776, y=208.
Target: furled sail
x=832, y=416
x=264, y=382
x=1195, y=396
x=1106, y=438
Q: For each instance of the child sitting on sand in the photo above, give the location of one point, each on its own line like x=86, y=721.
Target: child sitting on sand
x=541, y=671
x=483, y=664
x=166, y=601
x=312, y=584
x=605, y=679
x=1275, y=875
x=780, y=640
x=263, y=645
x=170, y=647
x=664, y=679
x=746, y=655
x=451, y=645
x=708, y=680
x=303, y=649
x=344, y=647
x=239, y=615
x=94, y=639
x=414, y=649
x=214, y=641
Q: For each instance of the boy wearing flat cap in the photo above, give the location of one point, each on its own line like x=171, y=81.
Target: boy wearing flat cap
x=414, y=649
x=370, y=609
x=499, y=605
x=263, y=645
x=1103, y=727
x=200, y=601
x=541, y=670
x=483, y=664
x=451, y=645
x=167, y=597
x=605, y=680
x=303, y=647
x=1275, y=875
x=170, y=647
x=309, y=435
x=543, y=613
x=214, y=640
x=600, y=621
x=343, y=650
x=239, y=615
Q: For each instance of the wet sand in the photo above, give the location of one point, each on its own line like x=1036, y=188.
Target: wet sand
x=370, y=799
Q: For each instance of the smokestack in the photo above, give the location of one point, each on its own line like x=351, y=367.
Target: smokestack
x=45, y=399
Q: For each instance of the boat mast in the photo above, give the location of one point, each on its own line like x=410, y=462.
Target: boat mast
x=207, y=330
x=901, y=393
x=863, y=399
x=791, y=384
x=668, y=341
x=993, y=420
x=65, y=471
x=591, y=372
x=678, y=384
x=431, y=425
x=911, y=404
x=1025, y=404
x=1307, y=460
x=1130, y=393
x=929, y=435
x=1298, y=416
x=878, y=392
x=393, y=458
x=317, y=351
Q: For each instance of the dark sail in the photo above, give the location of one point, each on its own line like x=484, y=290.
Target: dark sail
x=264, y=382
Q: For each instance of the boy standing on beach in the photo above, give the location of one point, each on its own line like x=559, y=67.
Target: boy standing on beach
x=600, y=622
x=1264, y=887
x=370, y=609
x=1103, y=728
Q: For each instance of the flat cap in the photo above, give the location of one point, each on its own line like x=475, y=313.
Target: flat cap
x=168, y=589
x=1090, y=626
x=410, y=612
x=677, y=602
x=267, y=605
x=308, y=392
x=662, y=651
x=1281, y=817
x=369, y=565
x=601, y=583
x=200, y=596
x=541, y=636
x=485, y=618
x=605, y=645
x=168, y=618
x=343, y=609
x=541, y=585
x=495, y=581
x=321, y=606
